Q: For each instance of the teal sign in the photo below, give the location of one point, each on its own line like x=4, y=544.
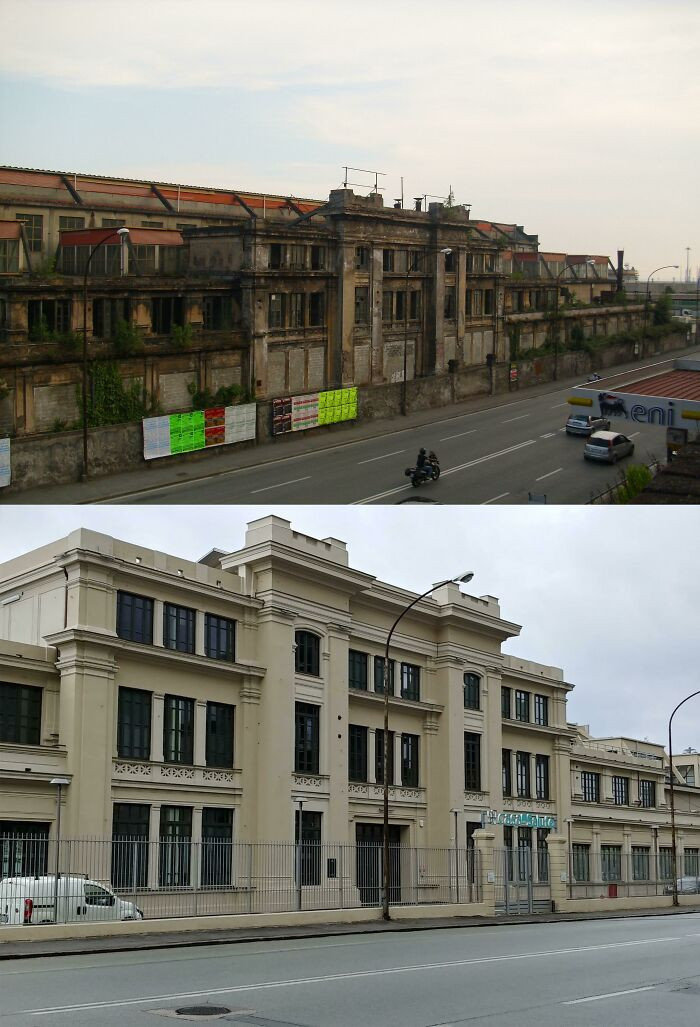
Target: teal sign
x=492, y=816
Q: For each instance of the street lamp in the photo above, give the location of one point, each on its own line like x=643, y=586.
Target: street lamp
x=385, y=835
x=419, y=258
x=59, y=782
x=122, y=233
x=646, y=294
x=673, y=802
x=556, y=314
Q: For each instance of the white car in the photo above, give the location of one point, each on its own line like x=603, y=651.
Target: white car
x=684, y=886
x=37, y=900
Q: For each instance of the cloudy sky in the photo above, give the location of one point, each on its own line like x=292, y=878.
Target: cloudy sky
x=608, y=595
x=577, y=121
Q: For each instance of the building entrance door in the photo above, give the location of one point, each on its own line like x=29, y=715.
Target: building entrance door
x=368, y=863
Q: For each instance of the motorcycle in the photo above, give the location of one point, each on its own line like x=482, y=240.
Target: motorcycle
x=430, y=471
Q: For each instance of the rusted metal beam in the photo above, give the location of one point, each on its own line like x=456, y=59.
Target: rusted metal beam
x=310, y=214
x=292, y=205
x=76, y=195
x=249, y=210
x=166, y=203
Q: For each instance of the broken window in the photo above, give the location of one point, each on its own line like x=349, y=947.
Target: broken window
x=361, y=305
x=450, y=261
x=318, y=258
x=489, y=262
x=388, y=260
x=106, y=315
x=45, y=317
x=488, y=301
x=296, y=310
x=387, y=305
x=275, y=316
x=216, y=313
x=67, y=224
x=361, y=258
x=475, y=263
x=317, y=309
x=400, y=306
x=477, y=302
x=113, y=222
x=33, y=229
x=297, y=257
x=276, y=256
x=450, y=303
x=9, y=255
x=414, y=305
x=145, y=259
x=166, y=312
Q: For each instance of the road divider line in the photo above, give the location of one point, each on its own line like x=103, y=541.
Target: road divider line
x=511, y=419
x=458, y=435
x=349, y=976
x=610, y=994
x=384, y=456
x=450, y=470
x=549, y=435
x=495, y=498
x=549, y=474
x=633, y=435
x=280, y=485
x=558, y=405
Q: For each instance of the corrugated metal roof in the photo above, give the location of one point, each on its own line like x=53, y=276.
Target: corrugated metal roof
x=678, y=384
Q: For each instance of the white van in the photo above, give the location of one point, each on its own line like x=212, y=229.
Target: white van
x=36, y=900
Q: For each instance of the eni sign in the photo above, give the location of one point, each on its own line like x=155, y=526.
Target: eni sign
x=492, y=816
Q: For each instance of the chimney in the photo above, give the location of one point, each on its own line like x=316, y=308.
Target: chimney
x=620, y=255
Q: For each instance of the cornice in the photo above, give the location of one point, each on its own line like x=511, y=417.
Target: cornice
x=278, y=557
x=151, y=653
x=395, y=702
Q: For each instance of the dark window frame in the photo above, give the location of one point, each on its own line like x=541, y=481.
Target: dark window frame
x=522, y=706
x=590, y=786
x=410, y=681
x=472, y=691
x=219, y=637
x=358, y=670
x=410, y=760
x=20, y=713
x=219, y=744
x=541, y=710
x=179, y=628
x=178, y=730
x=307, y=738
x=307, y=653
x=472, y=761
x=135, y=617
x=134, y=723
x=357, y=752
x=522, y=775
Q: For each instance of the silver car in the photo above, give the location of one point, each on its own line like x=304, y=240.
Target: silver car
x=608, y=446
x=586, y=424
x=684, y=886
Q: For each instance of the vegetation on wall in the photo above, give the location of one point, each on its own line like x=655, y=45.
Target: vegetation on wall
x=69, y=342
x=663, y=309
x=578, y=342
x=110, y=401
x=636, y=479
x=226, y=396
x=126, y=340
x=181, y=336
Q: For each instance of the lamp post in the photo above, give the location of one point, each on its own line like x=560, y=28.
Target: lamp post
x=456, y=814
x=385, y=834
x=420, y=257
x=665, y=267
x=122, y=233
x=673, y=802
x=59, y=782
x=556, y=315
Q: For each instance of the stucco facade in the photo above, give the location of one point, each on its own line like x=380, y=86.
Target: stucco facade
x=283, y=642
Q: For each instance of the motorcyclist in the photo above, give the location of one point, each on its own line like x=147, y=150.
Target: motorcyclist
x=423, y=464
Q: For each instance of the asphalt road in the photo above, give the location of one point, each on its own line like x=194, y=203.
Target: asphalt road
x=638, y=971
x=496, y=455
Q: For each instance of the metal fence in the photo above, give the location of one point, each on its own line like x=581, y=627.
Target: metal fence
x=614, y=873
x=521, y=880
x=97, y=879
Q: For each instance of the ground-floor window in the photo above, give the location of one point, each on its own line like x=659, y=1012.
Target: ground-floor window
x=611, y=862
x=690, y=862
x=130, y=824
x=174, y=855
x=640, y=862
x=665, y=863
x=24, y=848
x=217, y=847
x=581, y=862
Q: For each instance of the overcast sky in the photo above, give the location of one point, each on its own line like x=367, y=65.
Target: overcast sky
x=577, y=121
x=609, y=595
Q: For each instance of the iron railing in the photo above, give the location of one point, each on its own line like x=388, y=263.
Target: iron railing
x=126, y=878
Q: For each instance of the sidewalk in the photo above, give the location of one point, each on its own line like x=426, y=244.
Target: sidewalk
x=159, y=473
x=234, y=936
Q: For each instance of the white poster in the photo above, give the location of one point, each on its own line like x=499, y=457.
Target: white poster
x=156, y=437
x=240, y=423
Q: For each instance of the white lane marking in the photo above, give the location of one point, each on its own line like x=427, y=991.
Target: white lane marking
x=292, y=982
x=382, y=457
x=511, y=419
x=549, y=435
x=281, y=485
x=549, y=474
x=610, y=994
x=633, y=435
x=495, y=498
x=458, y=435
x=451, y=470
x=557, y=405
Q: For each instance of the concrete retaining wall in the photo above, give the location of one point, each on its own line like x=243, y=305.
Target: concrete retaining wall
x=54, y=459
x=606, y=905
x=50, y=932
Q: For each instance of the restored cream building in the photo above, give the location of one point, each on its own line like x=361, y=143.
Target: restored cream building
x=241, y=698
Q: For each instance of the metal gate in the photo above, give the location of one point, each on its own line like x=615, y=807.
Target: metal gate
x=522, y=881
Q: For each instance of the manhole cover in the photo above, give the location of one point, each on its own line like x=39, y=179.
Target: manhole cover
x=202, y=1010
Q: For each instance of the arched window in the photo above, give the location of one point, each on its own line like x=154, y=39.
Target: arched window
x=306, y=657
x=471, y=691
